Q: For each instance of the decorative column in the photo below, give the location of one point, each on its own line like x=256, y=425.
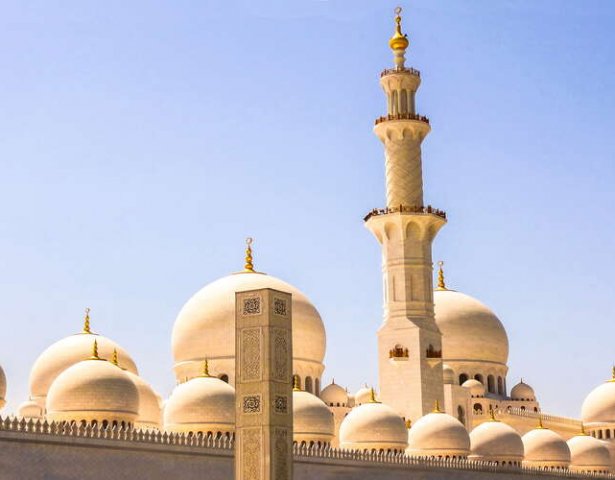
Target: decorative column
x=409, y=342
x=263, y=385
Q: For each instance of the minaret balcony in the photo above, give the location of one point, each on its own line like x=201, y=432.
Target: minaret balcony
x=421, y=210
x=402, y=116
x=397, y=70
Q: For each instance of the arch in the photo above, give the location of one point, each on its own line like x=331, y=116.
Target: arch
x=463, y=378
x=523, y=408
x=479, y=377
x=500, y=386
x=461, y=415
x=478, y=408
x=224, y=377
x=607, y=434
x=308, y=384
x=403, y=101
x=394, y=103
x=600, y=434
x=317, y=386
x=491, y=384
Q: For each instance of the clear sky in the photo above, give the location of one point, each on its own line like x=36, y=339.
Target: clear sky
x=142, y=141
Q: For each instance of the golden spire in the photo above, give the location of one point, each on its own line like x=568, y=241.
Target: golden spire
x=205, y=369
x=372, y=396
x=540, y=425
x=612, y=374
x=114, y=359
x=399, y=40
x=408, y=424
x=296, y=387
x=249, y=267
x=441, y=284
x=492, y=414
x=86, y=321
x=436, y=407
x=95, y=351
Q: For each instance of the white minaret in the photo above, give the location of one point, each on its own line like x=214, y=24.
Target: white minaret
x=409, y=342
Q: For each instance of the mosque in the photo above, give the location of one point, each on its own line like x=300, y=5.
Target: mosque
x=442, y=405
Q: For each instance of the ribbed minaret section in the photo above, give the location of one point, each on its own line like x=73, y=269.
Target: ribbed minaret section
x=409, y=342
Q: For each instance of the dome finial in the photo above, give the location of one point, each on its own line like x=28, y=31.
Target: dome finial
x=540, y=425
x=205, y=368
x=492, y=414
x=441, y=284
x=399, y=41
x=296, y=387
x=613, y=374
x=436, y=407
x=249, y=267
x=372, y=396
x=86, y=321
x=583, y=432
x=95, y=351
x=114, y=359
x=408, y=424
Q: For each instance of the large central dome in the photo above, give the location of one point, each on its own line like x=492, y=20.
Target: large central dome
x=205, y=328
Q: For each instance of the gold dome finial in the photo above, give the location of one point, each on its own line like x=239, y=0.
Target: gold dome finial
x=441, y=284
x=86, y=321
x=114, y=359
x=492, y=414
x=205, y=369
x=372, y=396
x=436, y=407
x=95, y=351
x=249, y=267
x=399, y=40
x=540, y=425
x=296, y=387
x=612, y=374
x=408, y=424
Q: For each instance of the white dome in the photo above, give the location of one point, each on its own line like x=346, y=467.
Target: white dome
x=599, y=405
x=202, y=404
x=470, y=330
x=522, y=391
x=2, y=388
x=545, y=448
x=150, y=412
x=438, y=434
x=495, y=441
x=448, y=375
x=312, y=419
x=373, y=426
x=206, y=326
x=588, y=454
x=334, y=395
x=30, y=409
x=66, y=352
x=93, y=390
x=476, y=388
x=363, y=395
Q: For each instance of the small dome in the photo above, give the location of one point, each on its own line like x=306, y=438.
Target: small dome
x=150, y=411
x=545, y=448
x=312, y=419
x=599, y=405
x=373, y=426
x=522, y=391
x=30, y=409
x=476, y=388
x=448, y=374
x=2, y=388
x=66, y=352
x=495, y=441
x=334, y=395
x=588, y=454
x=363, y=395
x=202, y=404
x=206, y=323
x=470, y=330
x=93, y=390
x=438, y=434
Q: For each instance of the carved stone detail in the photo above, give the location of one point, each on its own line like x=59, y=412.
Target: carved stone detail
x=250, y=354
x=279, y=307
x=281, y=455
x=251, y=450
x=252, y=306
x=252, y=404
x=281, y=368
x=280, y=404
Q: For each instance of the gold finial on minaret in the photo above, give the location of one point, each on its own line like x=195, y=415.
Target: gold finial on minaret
x=399, y=40
x=95, y=351
x=441, y=284
x=436, y=407
x=296, y=387
x=86, y=321
x=114, y=359
x=205, y=369
x=249, y=267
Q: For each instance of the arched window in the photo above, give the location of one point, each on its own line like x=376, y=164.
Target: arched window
x=224, y=377
x=404, y=101
x=394, y=104
x=478, y=409
x=308, y=384
x=479, y=377
x=317, y=387
x=500, y=386
x=523, y=407
x=491, y=384
x=462, y=378
x=600, y=434
x=461, y=415
x=607, y=434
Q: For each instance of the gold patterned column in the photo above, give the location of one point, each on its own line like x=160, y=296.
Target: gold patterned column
x=263, y=385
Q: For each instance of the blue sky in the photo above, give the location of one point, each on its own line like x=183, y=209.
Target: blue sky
x=141, y=142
